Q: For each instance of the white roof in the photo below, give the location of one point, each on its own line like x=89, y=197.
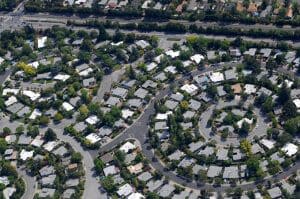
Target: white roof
x=24, y=155
x=173, y=53
x=127, y=146
x=93, y=138
x=41, y=42
x=189, y=88
x=151, y=66
x=1, y=60
x=32, y=95
x=136, y=196
x=290, y=149
x=62, y=77
x=34, y=64
x=170, y=69
x=37, y=142
x=187, y=63
x=158, y=58
x=117, y=44
x=35, y=113
x=250, y=88
x=126, y=113
x=8, y=192
x=67, y=106
x=92, y=120
x=268, y=143
x=4, y=180
x=297, y=102
x=163, y=116
x=10, y=90
x=216, y=77
x=85, y=72
x=110, y=170
x=197, y=58
x=49, y=146
x=11, y=100
x=125, y=190
x=240, y=123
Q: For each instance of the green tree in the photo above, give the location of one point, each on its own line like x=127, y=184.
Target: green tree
x=50, y=135
x=3, y=145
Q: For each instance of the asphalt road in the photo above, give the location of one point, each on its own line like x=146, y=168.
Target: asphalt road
x=30, y=184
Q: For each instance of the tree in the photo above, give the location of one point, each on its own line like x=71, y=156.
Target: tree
x=108, y=184
x=267, y=106
x=274, y=167
x=99, y=165
x=284, y=94
x=50, y=135
x=292, y=126
x=244, y=130
x=246, y=147
x=184, y=105
x=28, y=70
x=289, y=110
x=253, y=166
x=3, y=145
x=84, y=111
x=76, y=157
x=43, y=120
x=58, y=117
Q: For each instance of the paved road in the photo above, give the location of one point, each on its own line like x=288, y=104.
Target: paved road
x=30, y=184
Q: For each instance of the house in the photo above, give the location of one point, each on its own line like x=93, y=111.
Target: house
x=154, y=184
x=151, y=66
x=93, y=138
x=166, y=190
x=290, y=149
x=214, y=171
x=126, y=113
x=145, y=176
x=222, y=154
x=197, y=58
x=24, y=155
x=190, y=89
x=135, y=169
x=231, y=172
x=136, y=196
x=120, y=92
x=80, y=126
x=265, y=52
x=61, y=151
x=176, y=155
x=90, y=82
x=68, y=193
x=170, y=69
x=269, y=144
x=186, y=162
x=92, y=120
x=171, y=104
x=216, y=77
x=250, y=89
x=8, y=192
x=142, y=44
x=49, y=146
x=110, y=170
x=230, y=74
x=221, y=92
x=128, y=146
x=141, y=93
x=106, y=158
x=274, y=192
x=135, y=103
x=194, y=104
x=48, y=181
x=113, y=101
x=207, y=151
x=46, y=193
x=177, y=97
x=160, y=126
x=104, y=131
x=194, y=146
x=250, y=52
x=67, y=107
x=125, y=190
x=61, y=77
x=173, y=54
x=41, y=42
x=188, y=115
x=235, y=52
x=72, y=182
